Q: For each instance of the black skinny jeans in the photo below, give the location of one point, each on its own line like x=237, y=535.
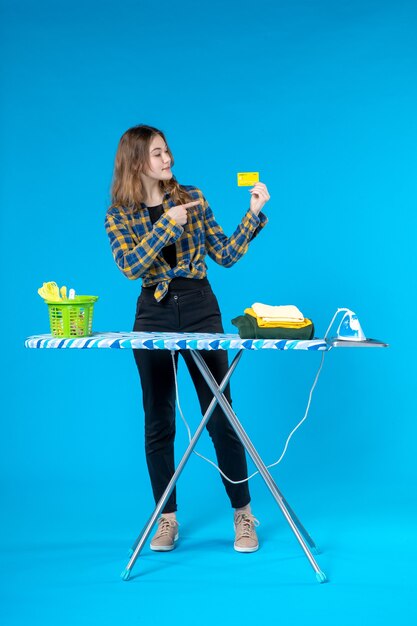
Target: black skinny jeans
x=195, y=310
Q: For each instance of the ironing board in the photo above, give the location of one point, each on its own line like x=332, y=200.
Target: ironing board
x=196, y=342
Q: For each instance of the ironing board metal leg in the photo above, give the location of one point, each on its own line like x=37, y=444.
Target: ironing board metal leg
x=140, y=541
x=230, y=414
x=294, y=517
x=303, y=531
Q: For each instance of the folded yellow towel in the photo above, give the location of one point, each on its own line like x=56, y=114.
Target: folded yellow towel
x=276, y=323
x=286, y=313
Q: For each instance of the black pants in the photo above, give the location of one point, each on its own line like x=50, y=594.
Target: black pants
x=195, y=310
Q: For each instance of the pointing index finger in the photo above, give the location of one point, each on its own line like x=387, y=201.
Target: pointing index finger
x=188, y=204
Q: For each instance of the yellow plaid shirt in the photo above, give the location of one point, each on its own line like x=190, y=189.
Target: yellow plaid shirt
x=137, y=244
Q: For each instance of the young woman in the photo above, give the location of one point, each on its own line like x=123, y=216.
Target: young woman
x=161, y=231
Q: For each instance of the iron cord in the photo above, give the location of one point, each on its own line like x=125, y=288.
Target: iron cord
x=237, y=482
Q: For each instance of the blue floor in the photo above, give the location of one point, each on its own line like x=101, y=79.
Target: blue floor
x=62, y=566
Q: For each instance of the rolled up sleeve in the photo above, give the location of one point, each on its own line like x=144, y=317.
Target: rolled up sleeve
x=227, y=250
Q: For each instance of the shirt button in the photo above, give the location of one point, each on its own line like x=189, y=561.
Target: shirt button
x=175, y=297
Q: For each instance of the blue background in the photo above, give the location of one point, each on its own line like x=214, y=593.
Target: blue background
x=320, y=98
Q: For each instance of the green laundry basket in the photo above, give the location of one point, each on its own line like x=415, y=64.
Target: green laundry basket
x=72, y=318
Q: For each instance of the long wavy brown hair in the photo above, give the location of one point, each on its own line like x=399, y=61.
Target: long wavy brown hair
x=132, y=157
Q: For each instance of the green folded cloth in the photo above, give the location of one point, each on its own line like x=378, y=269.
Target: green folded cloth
x=249, y=329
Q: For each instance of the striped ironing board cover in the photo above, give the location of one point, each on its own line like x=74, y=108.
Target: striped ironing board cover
x=173, y=341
